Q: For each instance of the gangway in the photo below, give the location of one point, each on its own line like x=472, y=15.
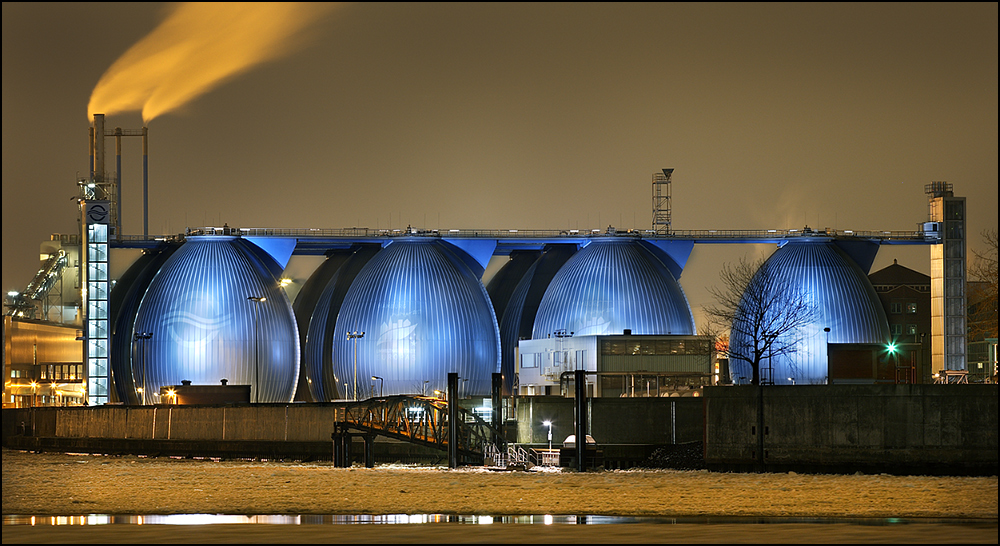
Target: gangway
x=421, y=420
x=43, y=281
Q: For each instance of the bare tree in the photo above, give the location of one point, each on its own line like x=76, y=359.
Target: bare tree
x=983, y=291
x=719, y=333
x=765, y=311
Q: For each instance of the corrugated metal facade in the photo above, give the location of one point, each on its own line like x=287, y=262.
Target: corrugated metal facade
x=424, y=314
x=204, y=328
x=317, y=348
x=844, y=300
x=518, y=317
x=611, y=285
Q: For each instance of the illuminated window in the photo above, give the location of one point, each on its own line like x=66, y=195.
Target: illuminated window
x=530, y=360
x=911, y=328
x=911, y=308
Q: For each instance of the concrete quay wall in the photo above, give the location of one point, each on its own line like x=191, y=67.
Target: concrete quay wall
x=936, y=429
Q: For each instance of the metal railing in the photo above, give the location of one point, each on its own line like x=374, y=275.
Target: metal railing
x=704, y=235
x=421, y=420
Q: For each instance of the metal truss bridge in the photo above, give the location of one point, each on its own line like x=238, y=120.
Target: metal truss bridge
x=420, y=420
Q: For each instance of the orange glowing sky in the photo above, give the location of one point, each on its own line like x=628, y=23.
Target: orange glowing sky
x=498, y=116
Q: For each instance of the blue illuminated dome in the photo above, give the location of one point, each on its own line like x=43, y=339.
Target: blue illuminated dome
x=611, y=285
x=424, y=313
x=205, y=329
x=843, y=300
x=332, y=279
x=516, y=312
x=125, y=299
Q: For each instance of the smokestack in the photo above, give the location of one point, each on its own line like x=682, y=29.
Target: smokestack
x=91, y=152
x=99, y=147
x=145, y=183
x=118, y=181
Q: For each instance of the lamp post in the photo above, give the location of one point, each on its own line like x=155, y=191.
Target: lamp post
x=380, y=382
x=355, y=335
x=549, y=424
x=142, y=337
x=256, y=345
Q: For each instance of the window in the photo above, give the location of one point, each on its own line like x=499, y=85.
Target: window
x=911, y=329
x=895, y=307
x=911, y=308
x=530, y=360
x=897, y=329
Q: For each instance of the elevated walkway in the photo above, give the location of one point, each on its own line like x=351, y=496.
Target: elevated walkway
x=420, y=420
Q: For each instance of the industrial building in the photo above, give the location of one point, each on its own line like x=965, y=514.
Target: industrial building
x=394, y=311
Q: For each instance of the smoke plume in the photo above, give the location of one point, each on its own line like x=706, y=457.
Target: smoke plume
x=199, y=46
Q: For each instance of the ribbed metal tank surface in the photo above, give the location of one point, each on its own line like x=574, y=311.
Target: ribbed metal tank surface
x=125, y=299
x=611, y=285
x=205, y=328
x=518, y=318
x=843, y=300
x=317, y=349
x=424, y=314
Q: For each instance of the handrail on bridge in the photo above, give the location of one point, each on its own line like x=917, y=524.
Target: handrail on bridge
x=421, y=420
x=700, y=235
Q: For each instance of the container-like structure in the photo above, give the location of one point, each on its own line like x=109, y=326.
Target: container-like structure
x=611, y=285
x=424, y=313
x=214, y=311
x=842, y=299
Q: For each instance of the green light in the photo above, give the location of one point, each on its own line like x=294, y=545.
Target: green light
x=891, y=348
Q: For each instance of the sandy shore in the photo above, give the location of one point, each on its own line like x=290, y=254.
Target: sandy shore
x=50, y=484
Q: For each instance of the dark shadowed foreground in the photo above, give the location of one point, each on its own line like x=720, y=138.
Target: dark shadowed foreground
x=932, y=509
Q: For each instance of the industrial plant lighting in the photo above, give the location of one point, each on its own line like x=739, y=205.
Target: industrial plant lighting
x=285, y=282
x=891, y=347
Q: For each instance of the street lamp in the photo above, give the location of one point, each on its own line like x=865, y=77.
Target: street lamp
x=380, y=382
x=355, y=335
x=549, y=424
x=256, y=345
x=142, y=336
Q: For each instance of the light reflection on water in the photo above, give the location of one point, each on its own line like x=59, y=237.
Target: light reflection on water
x=207, y=519
x=546, y=519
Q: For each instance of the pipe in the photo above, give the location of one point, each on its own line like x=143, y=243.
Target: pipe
x=118, y=181
x=145, y=183
x=91, y=152
x=98, y=147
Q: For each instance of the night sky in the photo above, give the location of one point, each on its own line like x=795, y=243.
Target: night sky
x=521, y=116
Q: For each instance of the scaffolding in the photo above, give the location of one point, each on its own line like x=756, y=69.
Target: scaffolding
x=661, y=202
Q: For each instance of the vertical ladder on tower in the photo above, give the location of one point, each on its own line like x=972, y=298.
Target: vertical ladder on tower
x=661, y=202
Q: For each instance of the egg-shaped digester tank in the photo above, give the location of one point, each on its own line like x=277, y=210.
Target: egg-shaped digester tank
x=424, y=314
x=317, y=348
x=610, y=285
x=215, y=311
x=839, y=296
